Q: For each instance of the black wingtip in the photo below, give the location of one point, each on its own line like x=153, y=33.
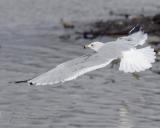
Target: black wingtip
x=135, y=29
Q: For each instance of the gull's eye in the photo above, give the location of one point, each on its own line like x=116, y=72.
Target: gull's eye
x=92, y=45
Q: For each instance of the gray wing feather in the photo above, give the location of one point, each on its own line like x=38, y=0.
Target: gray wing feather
x=138, y=38
x=72, y=69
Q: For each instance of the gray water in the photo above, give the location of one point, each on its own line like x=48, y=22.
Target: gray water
x=30, y=45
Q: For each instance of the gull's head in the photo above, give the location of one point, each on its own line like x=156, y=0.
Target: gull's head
x=94, y=45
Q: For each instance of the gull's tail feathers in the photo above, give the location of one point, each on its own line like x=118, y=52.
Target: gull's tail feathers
x=136, y=60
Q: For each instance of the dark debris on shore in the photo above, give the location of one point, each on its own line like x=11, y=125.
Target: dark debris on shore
x=117, y=27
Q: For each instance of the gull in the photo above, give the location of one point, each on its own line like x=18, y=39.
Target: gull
x=129, y=49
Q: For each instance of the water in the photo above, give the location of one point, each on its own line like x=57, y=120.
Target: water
x=30, y=45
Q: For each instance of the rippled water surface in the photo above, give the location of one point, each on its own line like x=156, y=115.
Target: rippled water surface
x=30, y=45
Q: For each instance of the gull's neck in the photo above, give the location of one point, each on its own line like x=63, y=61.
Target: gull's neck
x=98, y=46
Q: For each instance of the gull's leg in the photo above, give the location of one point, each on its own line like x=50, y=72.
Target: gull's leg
x=136, y=76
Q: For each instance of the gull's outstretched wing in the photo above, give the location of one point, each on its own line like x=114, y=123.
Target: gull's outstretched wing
x=138, y=38
x=72, y=69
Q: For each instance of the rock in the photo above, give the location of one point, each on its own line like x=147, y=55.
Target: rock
x=156, y=19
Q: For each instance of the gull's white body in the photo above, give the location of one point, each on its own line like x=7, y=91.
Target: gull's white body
x=132, y=59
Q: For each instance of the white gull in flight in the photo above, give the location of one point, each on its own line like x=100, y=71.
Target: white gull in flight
x=132, y=59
